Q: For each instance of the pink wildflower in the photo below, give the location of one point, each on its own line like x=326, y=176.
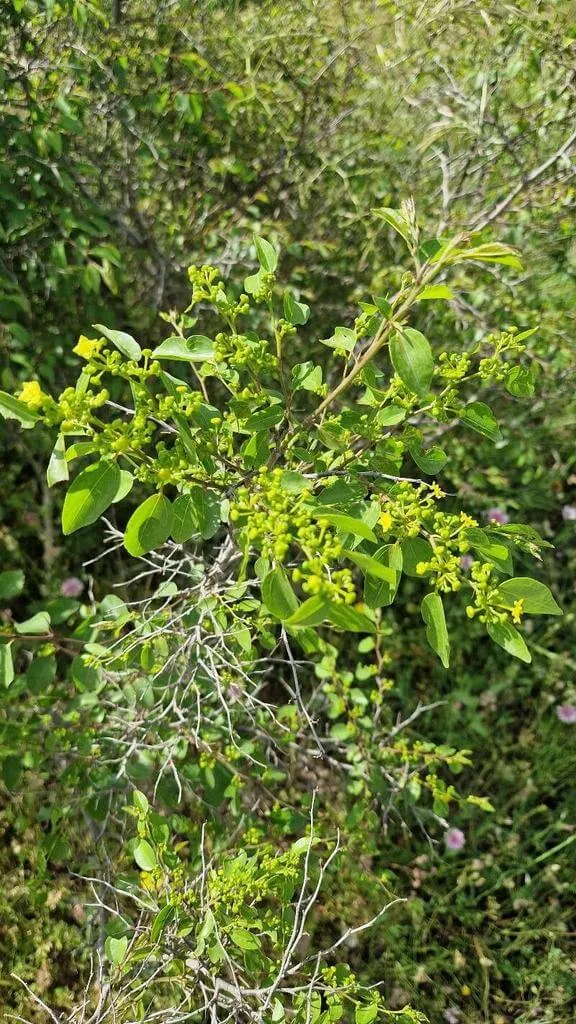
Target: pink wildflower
x=567, y=713
x=569, y=512
x=497, y=515
x=71, y=587
x=455, y=839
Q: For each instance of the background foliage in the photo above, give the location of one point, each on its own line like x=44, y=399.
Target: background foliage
x=136, y=142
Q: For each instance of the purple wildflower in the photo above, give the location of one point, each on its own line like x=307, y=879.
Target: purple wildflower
x=497, y=515
x=466, y=562
x=452, y=1015
x=455, y=839
x=71, y=587
x=569, y=512
x=567, y=713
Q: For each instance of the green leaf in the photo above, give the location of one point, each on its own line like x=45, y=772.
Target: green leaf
x=390, y=416
x=11, y=584
x=296, y=313
x=491, y=549
x=38, y=625
x=510, y=639
x=265, y=419
x=343, y=338
x=244, y=939
x=520, y=381
x=13, y=409
x=149, y=526
x=267, y=255
x=207, y=507
x=347, y=524
x=184, y=520
x=89, y=495
x=125, y=485
x=379, y=593
x=491, y=252
x=253, y=283
x=162, y=919
x=140, y=801
x=436, y=633
x=278, y=596
x=294, y=482
x=412, y=359
x=396, y=220
x=431, y=461
x=366, y=1014
x=435, y=291
x=371, y=565
x=414, y=550
x=535, y=596
x=311, y=613
x=144, y=855
x=306, y=377
x=480, y=418
x=6, y=664
x=115, y=949
x=125, y=343
x=348, y=618
x=196, y=349
x=12, y=771
x=58, y=466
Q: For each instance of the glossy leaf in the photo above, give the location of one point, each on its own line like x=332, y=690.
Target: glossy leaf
x=436, y=632
x=184, y=519
x=58, y=466
x=149, y=526
x=379, y=592
x=13, y=409
x=412, y=359
x=278, y=596
x=535, y=596
x=6, y=665
x=508, y=637
x=480, y=418
x=89, y=495
x=125, y=343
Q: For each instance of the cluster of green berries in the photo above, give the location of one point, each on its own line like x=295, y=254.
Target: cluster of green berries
x=207, y=286
x=74, y=410
x=244, y=353
x=266, y=287
x=487, y=598
x=408, y=508
x=453, y=365
x=274, y=521
x=449, y=542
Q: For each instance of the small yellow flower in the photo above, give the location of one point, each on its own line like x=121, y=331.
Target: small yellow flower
x=86, y=348
x=386, y=521
x=466, y=990
x=32, y=394
x=517, y=611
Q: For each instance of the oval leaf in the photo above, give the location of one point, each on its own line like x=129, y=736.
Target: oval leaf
x=149, y=526
x=506, y=636
x=89, y=495
x=125, y=343
x=184, y=519
x=144, y=855
x=535, y=596
x=278, y=596
x=436, y=633
x=379, y=593
x=412, y=359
